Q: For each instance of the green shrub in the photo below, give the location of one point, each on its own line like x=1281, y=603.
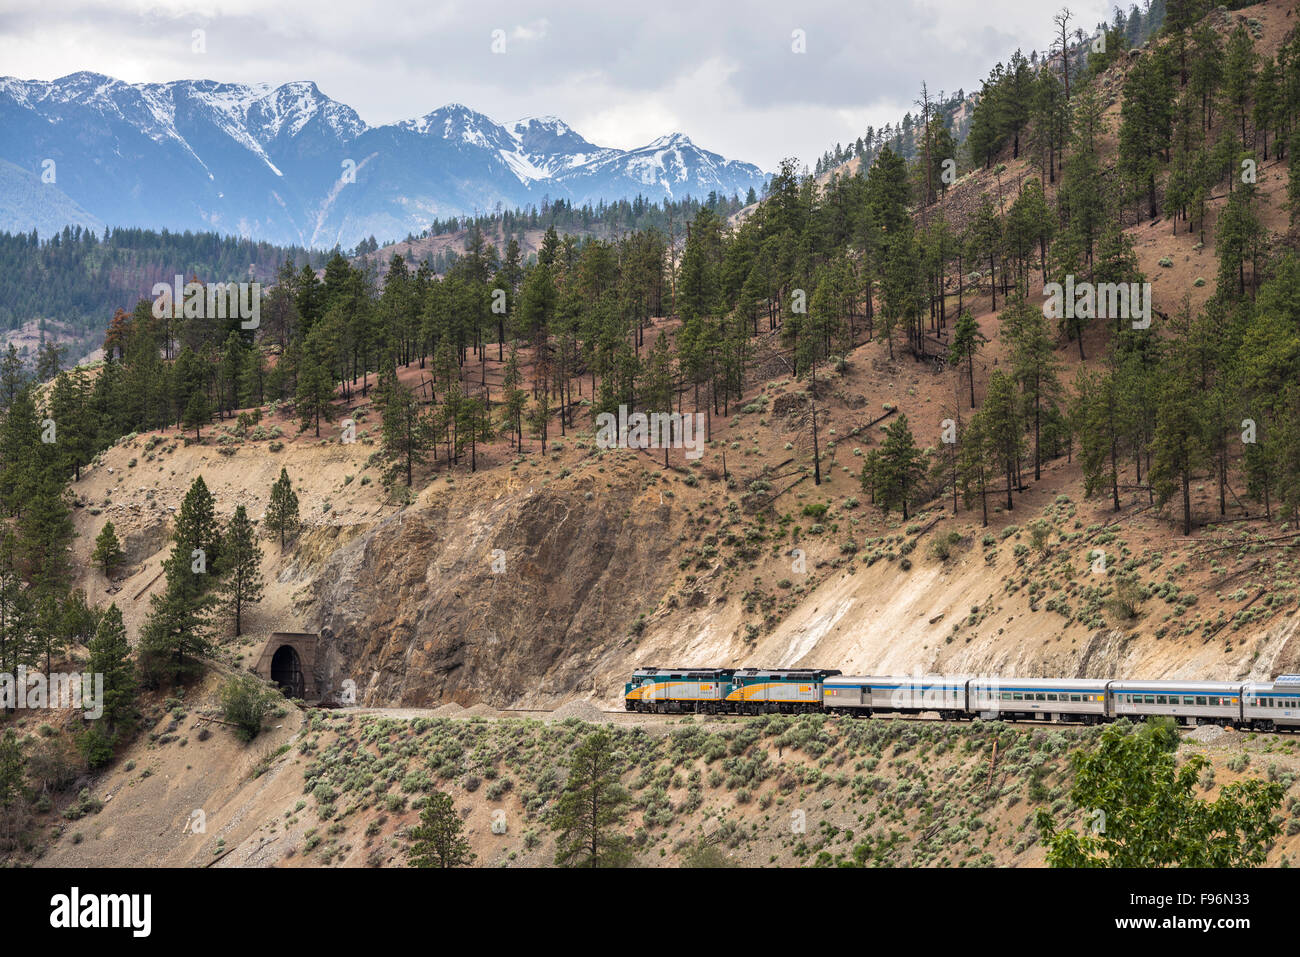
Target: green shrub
x=246, y=700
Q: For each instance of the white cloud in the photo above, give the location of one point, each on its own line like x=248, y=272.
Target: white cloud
x=619, y=74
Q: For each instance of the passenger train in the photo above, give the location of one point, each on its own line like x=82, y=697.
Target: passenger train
x=1260, y=706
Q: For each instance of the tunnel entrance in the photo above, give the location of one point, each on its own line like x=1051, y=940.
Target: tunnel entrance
x=286, y=671
x=288, y=659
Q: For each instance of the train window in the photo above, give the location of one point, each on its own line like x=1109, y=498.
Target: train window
x=1040, y=697
x=1160, y=699
x=1187, y=699
x=1200, y=700
x=1074, y=697
x=1149, y=699
x=1051, y=696
x=1006, y=696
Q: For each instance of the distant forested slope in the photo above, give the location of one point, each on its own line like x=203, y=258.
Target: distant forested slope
x=80, y=276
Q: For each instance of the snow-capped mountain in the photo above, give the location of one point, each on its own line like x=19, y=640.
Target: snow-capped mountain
x=551, y=146
x=290, y=165
x=670, y=166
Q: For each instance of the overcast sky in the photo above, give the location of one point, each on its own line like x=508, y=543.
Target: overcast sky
x=620, y=72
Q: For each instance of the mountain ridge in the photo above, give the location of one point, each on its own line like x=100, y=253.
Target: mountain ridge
x=289, y=164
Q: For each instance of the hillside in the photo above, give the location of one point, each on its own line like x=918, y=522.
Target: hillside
x=595, y=540
x=343, y=788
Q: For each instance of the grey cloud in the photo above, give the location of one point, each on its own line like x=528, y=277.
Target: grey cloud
x=568, y=59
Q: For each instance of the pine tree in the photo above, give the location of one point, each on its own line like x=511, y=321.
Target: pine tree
x=1034, y=366
x=197, y=413
x=74, y=431
x=407, y=431
x=1178, y=446
x=12, y=377
x=196, y=526
x=178, y=630
x=439, y=839
x=315, y=392
x=539, y=419
x=1293, y=179
x=241, y=560
x=48, y=633
x=967, y=340
x=1239, y=68
x=45, y=533
x=986, y=241
x=475, y=426
x=897, y=469
x=1267, y=105
x=15, y=607
x=49, y=360
x=591, y=808
x=108, y=551
x=21, y=452
x=657, y=384
x=1146, y=125
x=1240, y=239
x=282, y=511
x=973, y=463
x=1099, y=419
x=1081, y=199
x=1003, y=429
x=110, y=657
x=13, y=781
x=515, y=398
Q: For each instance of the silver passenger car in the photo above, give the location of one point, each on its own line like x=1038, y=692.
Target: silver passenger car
x=1190, y=702
x=1272, y=705
x=1039, y=699
x=869, y=694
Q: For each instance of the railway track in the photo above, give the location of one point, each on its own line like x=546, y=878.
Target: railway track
x=636, y=717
